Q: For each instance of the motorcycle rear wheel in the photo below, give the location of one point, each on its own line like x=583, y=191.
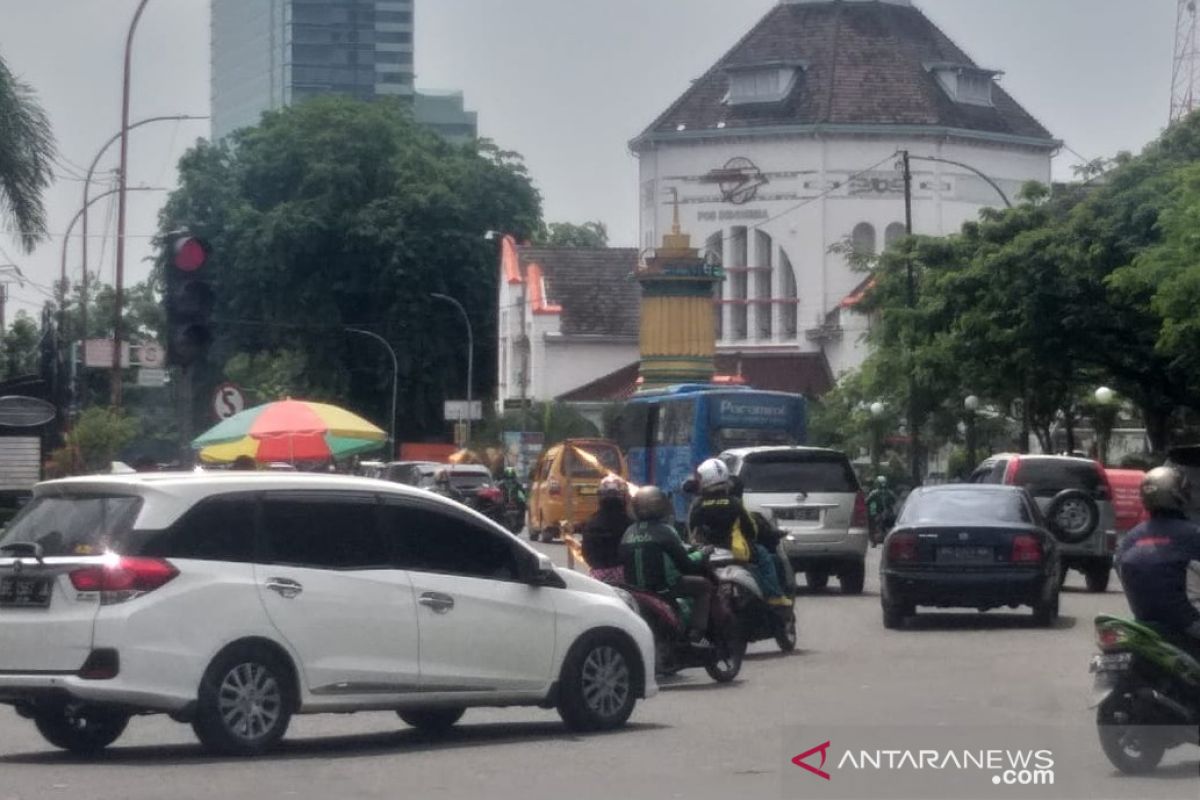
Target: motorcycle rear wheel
x=1132, y=749
x=785, y=634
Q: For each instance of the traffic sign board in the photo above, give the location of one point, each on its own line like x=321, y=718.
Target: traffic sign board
x=457, y=411
x=152, y=377
x=228, y=400
x=151, y=355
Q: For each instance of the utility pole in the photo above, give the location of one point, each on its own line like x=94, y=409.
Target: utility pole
x=122, y=182
x=914, y=436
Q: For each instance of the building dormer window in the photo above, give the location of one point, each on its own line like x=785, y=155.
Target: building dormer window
x=966, y=84
x=762, y=83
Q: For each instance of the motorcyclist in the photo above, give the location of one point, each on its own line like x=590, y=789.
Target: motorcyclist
x=510, y=484
x=655, y=560
x=443, y=486
x=602, y=533
x=881, y=510
x=720, y=513
x=1154, y=558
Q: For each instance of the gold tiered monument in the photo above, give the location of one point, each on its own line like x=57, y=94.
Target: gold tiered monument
x=678, y=335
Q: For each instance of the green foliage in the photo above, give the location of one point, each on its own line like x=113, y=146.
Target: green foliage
x=21, y=352
x=270, y=376
x=555, y=421
x=334, y=213
x=26, y=158
x=1034, y=307
x=98, y=435
x=566, y=234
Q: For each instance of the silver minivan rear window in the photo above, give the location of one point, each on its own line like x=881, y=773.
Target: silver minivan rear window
x=74, y=525
x=819, y=473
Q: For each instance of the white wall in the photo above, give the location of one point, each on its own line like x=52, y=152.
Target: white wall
x=571, y=363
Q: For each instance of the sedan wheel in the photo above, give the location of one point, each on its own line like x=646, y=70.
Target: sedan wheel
x=598, y=686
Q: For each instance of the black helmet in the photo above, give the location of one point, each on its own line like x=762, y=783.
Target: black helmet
x=651, y=505
x=1166, y=489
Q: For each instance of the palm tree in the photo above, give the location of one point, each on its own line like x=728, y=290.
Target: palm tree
x=26, y=158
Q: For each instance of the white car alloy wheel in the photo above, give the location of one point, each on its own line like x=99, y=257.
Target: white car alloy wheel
x=250, y=701
x=606, y=681
x=1074, y=517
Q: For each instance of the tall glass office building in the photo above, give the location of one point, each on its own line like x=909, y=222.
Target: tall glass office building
x=270, y=53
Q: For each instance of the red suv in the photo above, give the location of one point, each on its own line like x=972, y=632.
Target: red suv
x=1075, y=496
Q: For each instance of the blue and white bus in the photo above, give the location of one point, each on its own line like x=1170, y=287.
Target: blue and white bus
x=667, y=433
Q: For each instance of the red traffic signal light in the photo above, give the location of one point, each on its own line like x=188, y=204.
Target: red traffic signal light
x=190, y=254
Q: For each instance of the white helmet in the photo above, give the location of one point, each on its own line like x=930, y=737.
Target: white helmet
x=712, y=474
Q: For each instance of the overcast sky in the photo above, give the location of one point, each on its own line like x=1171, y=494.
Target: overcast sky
x=565, y=82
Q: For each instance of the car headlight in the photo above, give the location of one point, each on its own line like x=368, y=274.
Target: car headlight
x=627, y=599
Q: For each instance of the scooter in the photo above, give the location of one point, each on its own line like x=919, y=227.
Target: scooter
x=674, y=652
x=1146, y=695
x=757, y=619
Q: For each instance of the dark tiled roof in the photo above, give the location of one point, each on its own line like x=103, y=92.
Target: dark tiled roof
x=614, y=386
x=865, y=64
x=799, y=373
x=592, y=286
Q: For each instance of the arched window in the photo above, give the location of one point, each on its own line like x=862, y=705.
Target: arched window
x=789, y=295
x=863, y=239
x=764, y=267
x=894, y=232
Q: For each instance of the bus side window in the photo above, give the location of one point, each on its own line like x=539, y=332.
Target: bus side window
x=678, y=423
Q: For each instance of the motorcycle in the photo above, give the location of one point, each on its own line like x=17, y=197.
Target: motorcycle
x=757, y=619
x=674, y=652
x=1146, y=692
x=489, y=501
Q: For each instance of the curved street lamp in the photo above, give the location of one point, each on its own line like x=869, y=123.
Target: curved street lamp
x=395, y=384
x=470, y=356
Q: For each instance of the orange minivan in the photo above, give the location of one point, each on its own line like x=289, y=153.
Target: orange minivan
x=565, y=482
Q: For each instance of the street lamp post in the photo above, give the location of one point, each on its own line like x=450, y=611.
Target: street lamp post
x=395, y=383
x=1104, y=420
x=87, y=186
x=877, y=411
x=470, y=356
x=122, y=179
x=971, y=405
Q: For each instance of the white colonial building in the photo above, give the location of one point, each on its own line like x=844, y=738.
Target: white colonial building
x=789, y=146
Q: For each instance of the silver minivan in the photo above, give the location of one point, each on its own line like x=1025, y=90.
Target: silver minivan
x=813, y=496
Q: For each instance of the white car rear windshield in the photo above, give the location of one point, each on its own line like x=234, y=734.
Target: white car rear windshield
x=78, y=525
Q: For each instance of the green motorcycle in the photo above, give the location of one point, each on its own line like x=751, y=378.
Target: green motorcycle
x=1146, y=692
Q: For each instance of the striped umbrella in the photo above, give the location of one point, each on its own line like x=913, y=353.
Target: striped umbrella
x=289, y=430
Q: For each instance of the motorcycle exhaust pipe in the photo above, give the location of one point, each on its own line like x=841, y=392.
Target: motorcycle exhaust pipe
x=1179, y=710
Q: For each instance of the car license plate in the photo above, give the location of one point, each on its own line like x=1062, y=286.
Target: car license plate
x=26, y=592
x=798, y=514
x=1111, y=662
x=586, y=491
x=965, y=555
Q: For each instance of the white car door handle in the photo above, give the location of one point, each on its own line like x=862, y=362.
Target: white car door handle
x=284, y=587
x=440, y=603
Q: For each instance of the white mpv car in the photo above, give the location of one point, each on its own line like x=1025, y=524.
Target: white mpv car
x=232, y=601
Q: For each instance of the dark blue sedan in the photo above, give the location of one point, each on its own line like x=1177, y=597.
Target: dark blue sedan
x=970, y=546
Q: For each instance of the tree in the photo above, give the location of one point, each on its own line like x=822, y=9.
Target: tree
x=566, y=234
x=21, y=352
x=94, y=442
x=337, y=213
x=26, y=158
